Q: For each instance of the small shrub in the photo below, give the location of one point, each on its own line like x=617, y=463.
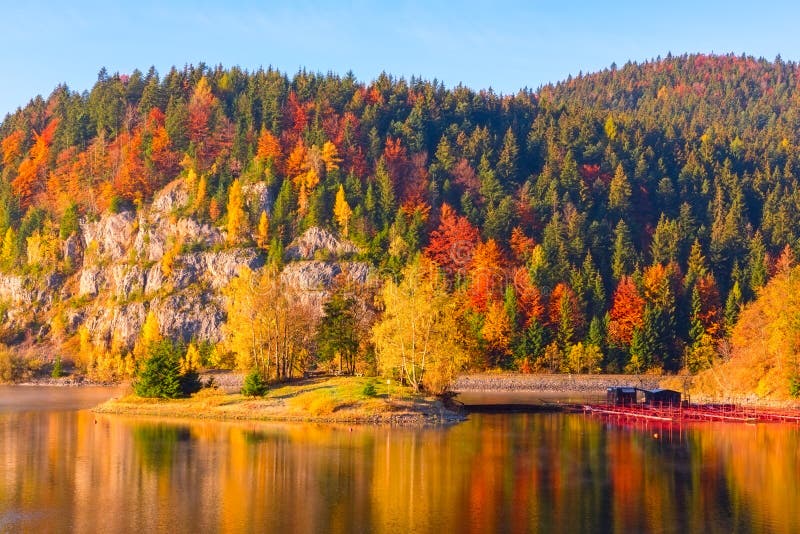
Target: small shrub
x=11, y=366
x=314, y=403
x=57, y=371
x=254, y=385
x=369, y=389
x=322, y=405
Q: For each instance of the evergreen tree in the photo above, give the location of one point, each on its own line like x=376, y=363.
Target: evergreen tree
x=623, y=260
x=619, y=193
x=254, y=385
x=337, y=334
x=733, y=305
x=160, y=376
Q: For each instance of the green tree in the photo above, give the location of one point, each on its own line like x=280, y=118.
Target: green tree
x=337, y=334
x=69, y=221
x=254, y=385
x=623, y=260
x=619, y=193
x=160, y=376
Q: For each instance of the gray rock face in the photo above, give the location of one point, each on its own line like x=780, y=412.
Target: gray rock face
x=73, y=250
x=103, y=322
x=319, y=240
x=126, y=280
x=111, y=235
x=92, y=279
x=256, y=197
x=13, y=290
x=320, y=275
x=190, y=317
x=121, y=274
x=172, y=197
x=17, y=289
x=314, y=279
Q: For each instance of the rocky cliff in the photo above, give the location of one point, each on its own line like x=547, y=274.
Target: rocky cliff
x=126, y=264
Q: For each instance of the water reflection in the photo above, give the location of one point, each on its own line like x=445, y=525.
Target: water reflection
x=72, y=471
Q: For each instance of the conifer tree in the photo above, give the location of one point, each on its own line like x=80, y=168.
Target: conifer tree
x=623, y=260
x=619, y=193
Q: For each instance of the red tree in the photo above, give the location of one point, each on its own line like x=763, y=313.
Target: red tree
x=452, y=244
x=487, y=275
x=627, y=312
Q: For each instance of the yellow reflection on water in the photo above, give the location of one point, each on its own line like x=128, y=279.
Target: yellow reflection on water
x=74, y=471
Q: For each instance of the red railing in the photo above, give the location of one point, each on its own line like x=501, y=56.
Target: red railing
x=658, y=411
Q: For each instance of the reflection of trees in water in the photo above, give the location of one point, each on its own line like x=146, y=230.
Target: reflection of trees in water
x=156, y=443
x=493, y=473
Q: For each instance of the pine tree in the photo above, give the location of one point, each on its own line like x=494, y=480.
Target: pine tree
x=337, y=334
x=697, y=330
x=531, y=344
x=757, y=263
x=254, y=385
x=664, y=248
x=623, y=260
x=619, y=193
x=160, y=375
x=733, y=305
x=507, y=162
x=696, y=268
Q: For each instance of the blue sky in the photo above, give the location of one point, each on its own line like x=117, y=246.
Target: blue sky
x=506, y=45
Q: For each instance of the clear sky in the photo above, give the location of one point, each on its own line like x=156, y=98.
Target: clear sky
x=505, y=45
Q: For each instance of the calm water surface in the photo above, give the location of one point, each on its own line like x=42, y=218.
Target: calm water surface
x=63, y=469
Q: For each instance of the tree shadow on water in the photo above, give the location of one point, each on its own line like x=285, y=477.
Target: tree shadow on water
x=156, y=444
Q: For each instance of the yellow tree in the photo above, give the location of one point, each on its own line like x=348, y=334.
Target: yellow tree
x=342, y=211
x=8, y=252
x=237, y=219
x=268, y=327
x=330, y=155
x=191, y=360
x=417, y=336
x=496, y=332
x=263, y=230
x=584, y=358
x=200, y=195
x=150, y=333
x=40, y=249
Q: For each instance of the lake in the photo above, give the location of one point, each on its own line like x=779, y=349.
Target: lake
x=65, y=469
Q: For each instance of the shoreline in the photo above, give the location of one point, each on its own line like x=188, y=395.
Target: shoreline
x=550, y=383
x=323, y=400
x=483, y=386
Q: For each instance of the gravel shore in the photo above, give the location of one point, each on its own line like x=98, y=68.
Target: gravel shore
x=556, y=383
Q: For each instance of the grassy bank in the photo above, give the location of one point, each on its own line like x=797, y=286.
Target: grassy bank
x=339, y=399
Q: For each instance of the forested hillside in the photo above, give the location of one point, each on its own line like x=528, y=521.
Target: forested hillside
x=763, y=359
x=613, y=221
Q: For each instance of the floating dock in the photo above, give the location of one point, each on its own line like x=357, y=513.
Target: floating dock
x=695, y=412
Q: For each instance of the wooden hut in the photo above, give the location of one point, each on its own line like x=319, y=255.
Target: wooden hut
x=619, y=396
x=664, y=397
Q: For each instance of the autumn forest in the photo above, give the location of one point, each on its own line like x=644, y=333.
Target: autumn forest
x=615, y=221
